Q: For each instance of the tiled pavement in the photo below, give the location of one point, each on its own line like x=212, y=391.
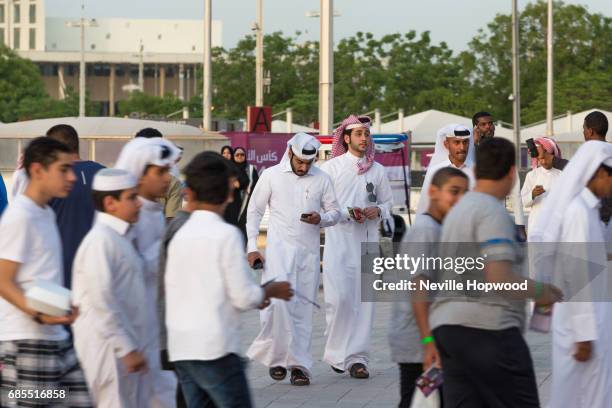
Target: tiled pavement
x=329, y=389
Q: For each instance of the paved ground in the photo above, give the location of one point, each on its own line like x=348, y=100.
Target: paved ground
x=329, y=389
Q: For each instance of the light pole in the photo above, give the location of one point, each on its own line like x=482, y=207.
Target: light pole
x=259, y=75
x=206, y=91
x=516, y=86
x=82, y=24
x=326, y=68
x=141, y=67
x=549, y=72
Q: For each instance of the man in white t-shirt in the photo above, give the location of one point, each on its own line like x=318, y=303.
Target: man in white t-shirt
x=35, y=351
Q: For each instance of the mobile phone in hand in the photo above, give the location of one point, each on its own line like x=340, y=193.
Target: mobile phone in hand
x=533, y=150
x=304, y=216
x=258, y=264
x=430, y=380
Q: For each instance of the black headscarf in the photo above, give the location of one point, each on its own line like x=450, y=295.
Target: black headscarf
x=242, y=166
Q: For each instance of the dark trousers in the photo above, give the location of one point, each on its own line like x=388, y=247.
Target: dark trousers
x=214, y=383
x=409, y=372
x=486, y=368
x=167, y=365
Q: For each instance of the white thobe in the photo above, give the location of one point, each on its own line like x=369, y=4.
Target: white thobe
x=542, y=177
x=423, y=204
x=148, y=233
x=583, y=384
x=349, y=321
x=108, y=287
x=292, y=254
x=19, y=182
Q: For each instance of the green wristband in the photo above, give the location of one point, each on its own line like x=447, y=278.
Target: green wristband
x=426, y=340
x=538, y=289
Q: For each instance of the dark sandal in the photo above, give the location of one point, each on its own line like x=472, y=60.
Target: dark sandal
x=339, y=371
x=299, y=378
x=359, y=370
x=278, y=373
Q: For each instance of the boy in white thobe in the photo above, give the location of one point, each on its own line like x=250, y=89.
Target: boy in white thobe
x=582, y=332
x=150, y=160
x=109, y=288
x=302, y=201
x=359, y=183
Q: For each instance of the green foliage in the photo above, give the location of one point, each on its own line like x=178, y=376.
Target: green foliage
x=400, y=70
x=144, y=104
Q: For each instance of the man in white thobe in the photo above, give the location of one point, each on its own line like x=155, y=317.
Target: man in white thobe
x=302, y=201
x=540, y=179
x=454, y=148
x=150, y=160
x=582, y=329
x=359, y=183
x=109, y=289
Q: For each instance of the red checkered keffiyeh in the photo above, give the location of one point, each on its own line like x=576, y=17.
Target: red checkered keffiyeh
x=338, y=148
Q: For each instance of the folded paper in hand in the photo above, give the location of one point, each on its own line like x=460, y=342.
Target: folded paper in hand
x=48, y=298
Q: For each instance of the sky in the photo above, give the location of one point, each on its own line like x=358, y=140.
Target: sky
x=454, y=21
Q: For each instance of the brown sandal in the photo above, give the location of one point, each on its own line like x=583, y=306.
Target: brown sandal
x=359, y=370
x=278, y=373
x=299, y=378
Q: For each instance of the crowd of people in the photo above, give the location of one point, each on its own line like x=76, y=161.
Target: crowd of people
x=160, y=267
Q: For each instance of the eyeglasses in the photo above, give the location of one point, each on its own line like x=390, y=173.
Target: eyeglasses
x=370, y=190
x=239, y=154
x=165, y=152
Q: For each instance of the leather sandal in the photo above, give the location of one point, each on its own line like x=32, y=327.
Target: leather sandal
x=299, y=378
x=359, y=370
x=278, y=373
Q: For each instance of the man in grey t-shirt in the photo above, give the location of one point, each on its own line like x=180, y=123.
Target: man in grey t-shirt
x=484, y=357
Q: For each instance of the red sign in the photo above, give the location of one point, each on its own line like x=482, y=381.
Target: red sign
x=259, y=119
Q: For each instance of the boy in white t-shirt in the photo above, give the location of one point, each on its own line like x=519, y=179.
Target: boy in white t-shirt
x=207, y=284
x=35, y=351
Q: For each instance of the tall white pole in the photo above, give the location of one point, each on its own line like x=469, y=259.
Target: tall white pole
x=141, y=67
x=400, y=119
x=206, y=92
x=259, y=55
x=549, y=72
x=289, y=120
x=377, y=120
x=516, y=86
x=82, y=64
x=326, y=68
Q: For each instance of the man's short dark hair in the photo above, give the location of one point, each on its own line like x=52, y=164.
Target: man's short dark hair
x=208, y=175
x=98, y=198
x=43, y=150
x=494, y=158
x=65, y=134
x=149, y=133
x=597, y=122
x=442, y=176
x=479, y=115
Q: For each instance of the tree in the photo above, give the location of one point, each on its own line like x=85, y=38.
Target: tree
x=22, y=92
x=144, y=104
x=581, y=47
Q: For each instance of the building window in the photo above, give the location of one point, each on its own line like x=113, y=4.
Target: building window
x=32, y=38
x=16, y=38
x=1, y=36
x=1, y=13
x=32, y=13
x=16, y=13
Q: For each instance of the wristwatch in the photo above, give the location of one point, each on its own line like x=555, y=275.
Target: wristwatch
x=37, y=318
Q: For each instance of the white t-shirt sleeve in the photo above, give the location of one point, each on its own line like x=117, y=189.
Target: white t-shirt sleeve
x=15, y=239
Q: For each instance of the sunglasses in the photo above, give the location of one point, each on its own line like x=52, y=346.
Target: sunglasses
x=239, y=154
x=165, y=152
x=370, y=190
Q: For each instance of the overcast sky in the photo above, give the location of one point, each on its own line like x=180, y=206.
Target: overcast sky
x=453, y=21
